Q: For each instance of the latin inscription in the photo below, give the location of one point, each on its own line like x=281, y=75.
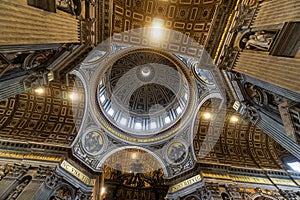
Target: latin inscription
x=185, y=183
x=74, y=171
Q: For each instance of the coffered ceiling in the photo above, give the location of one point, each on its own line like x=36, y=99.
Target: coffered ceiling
x=240, y=143
x=52, y=117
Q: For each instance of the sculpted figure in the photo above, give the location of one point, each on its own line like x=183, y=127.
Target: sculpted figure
x=260, y=40
x=18, y=190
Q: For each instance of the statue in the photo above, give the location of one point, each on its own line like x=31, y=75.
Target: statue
x=3, y=171
x=259, y=40
x=16, y=192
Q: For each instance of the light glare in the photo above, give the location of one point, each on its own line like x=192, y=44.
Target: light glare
x=207, y=115
x=157, y=31
x=73, y=96
x=234, y=119
x=133, y=155
x=138, y=125
x=295, y=166
x=157, y=23
x=103, y=190
x=111, y=112
x=39, y=90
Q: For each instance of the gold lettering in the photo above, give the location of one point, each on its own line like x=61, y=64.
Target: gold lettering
x=185, y=183
x=77, y=173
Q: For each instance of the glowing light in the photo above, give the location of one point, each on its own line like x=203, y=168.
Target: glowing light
x=111, y=112
x=178, y=110
x=186, y=96
x=295, y=166
x=153, y=125
x=123, y=121
x=145, y=71
x=234, y=119
x=167, y=120
x=138, y=125
x=133, y=155
x=102, y=98
x=73, y=96
x=103, y=190
x=157, y=31
x=157, y=23
x=207, y=115
x=39, y=90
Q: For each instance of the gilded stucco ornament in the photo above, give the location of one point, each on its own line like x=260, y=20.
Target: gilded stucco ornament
x=143, y=98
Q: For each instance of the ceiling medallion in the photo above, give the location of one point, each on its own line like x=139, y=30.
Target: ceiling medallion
x=92, y=142
x=177, y=152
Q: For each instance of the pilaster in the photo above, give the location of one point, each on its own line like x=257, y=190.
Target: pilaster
x=22, y=24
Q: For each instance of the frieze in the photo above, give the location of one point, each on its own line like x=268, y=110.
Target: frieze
x=77, y=173
x=32, y=156
x=186, y=183
x=250, y=179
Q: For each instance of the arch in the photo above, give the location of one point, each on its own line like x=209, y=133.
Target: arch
x=261, y=196
x=113, y=151
x=221, y=107
x=205, y=98
x=82, y=79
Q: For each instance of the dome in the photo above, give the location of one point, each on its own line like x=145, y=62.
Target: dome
x=144, y=93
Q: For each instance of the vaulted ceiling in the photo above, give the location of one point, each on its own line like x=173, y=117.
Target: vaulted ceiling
x=191, y=17
x=189, y=24
x=53, y=118
x=49, y=118
x=240, y=143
